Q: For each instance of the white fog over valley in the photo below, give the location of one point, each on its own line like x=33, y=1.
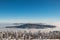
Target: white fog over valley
x=3, y=25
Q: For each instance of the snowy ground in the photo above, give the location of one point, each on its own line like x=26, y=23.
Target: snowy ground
x=32, y=39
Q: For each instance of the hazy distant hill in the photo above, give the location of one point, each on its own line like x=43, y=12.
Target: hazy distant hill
x=29, y=25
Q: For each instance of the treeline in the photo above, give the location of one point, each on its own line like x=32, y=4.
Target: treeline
x=30, y=35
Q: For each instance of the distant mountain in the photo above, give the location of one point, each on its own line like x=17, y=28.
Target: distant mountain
x=29, y=25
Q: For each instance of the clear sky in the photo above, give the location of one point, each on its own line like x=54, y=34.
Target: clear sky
x=29, y=10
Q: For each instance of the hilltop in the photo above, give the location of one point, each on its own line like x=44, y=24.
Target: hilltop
x=32, y=25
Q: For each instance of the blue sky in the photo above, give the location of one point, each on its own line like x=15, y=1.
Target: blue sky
x=29, y=10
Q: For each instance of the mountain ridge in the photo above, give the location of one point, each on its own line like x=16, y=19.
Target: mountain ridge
x=30, y=25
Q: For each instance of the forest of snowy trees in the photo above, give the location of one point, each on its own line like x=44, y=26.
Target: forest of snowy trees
x=29, y=35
